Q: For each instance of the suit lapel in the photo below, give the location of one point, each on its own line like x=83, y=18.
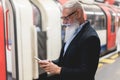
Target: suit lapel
x=79, y=35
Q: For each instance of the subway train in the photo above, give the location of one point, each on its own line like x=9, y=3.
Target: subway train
x=31, y=28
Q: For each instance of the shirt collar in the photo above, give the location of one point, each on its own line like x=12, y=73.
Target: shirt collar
x=80, y=27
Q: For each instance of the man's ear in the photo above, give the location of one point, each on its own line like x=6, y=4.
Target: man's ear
x=79, y=13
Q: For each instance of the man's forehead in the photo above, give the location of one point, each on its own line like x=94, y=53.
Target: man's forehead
x=67, y=10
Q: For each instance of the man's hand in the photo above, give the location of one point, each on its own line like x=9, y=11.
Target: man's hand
x=50, y=67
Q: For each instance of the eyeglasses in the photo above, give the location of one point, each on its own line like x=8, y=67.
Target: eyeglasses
x=67, y=17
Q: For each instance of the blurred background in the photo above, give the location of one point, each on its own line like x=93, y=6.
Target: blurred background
x=31, y=28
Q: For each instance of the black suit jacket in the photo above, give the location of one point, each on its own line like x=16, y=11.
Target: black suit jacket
x=81, y=57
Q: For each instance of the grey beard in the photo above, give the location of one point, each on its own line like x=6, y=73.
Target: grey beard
x=70, y=31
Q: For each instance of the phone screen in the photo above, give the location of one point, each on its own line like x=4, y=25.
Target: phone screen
x=37, y=58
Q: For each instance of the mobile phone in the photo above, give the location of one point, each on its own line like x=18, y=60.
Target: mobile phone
x=37, y=58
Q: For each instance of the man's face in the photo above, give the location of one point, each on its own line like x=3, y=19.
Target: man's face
x=68, y=16
x=70, y=21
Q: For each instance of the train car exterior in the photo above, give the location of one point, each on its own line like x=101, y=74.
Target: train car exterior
x=103, y=19
x=28, y=23
x=33, y=28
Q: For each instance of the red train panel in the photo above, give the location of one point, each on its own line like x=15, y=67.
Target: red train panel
x=2, y=47
x=110, y=1
x=62, y=1
x=111, y=27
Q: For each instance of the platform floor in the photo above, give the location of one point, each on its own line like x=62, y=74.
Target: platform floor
x=109, y=68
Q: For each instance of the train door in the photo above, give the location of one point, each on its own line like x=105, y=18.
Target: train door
x=39, y=36
x=51, y=24
x=2, y=46
x=17, y=33
x=111, y=32
x=9, y=31
x=48, y=29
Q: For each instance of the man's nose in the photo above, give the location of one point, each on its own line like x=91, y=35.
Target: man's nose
x=64, y=21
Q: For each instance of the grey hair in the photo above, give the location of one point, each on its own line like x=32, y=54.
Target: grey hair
x=74, y=4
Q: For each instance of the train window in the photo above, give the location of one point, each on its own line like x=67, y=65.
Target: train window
x=100, y=1
x=41, y=35
x=36, y=17
x=99, y=21
x=96, y=17
x=112, y=21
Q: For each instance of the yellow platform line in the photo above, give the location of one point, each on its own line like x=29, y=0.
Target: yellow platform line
x=107, y=61
x=100, y=65
x=114, y=56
